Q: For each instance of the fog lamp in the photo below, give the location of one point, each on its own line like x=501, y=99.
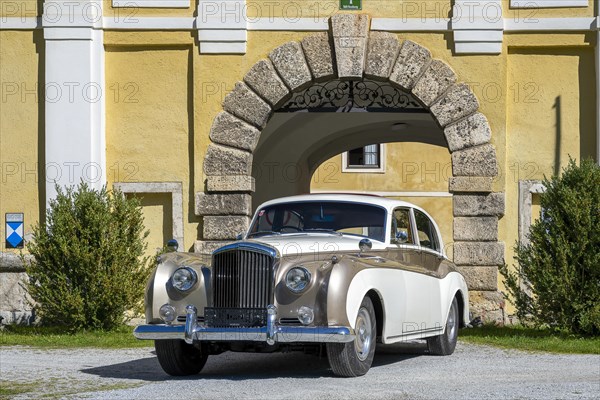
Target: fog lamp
x=167, y=313
x=306, y=315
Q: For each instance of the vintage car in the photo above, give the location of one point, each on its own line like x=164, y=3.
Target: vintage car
x=332, y=272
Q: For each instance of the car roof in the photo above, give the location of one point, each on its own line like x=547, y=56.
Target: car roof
x=348, y=197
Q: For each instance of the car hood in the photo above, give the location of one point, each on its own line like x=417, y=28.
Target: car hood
x=298, y=244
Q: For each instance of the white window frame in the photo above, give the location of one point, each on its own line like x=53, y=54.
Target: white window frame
x=379, y=170
x=151, y=3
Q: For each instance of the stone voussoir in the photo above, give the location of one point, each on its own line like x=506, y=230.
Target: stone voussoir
x=224, y=227
x=265, y=81
x=470, y=184
x=350, y=34
x=475, y=161
x=290, y=63
x=230, y=183
x=229, y=130
x=383, y=49
x=479, y=253
x=438, y=77
x=480, y=277
x=480, y=229
x=471, y=131
x=411, y=61
x=478, y=204
x=244, y=103
x=221, y=160
x=457, y=103
x=223, y=204
x=319, y=56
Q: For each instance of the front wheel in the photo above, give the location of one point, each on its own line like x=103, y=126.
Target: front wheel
x=444, y=345
x=177, y=358
x=355, y=358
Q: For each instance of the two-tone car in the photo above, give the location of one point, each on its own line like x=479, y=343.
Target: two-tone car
x=336, y=271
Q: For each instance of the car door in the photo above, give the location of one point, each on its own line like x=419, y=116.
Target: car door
x=431, y=257
x=409, y=310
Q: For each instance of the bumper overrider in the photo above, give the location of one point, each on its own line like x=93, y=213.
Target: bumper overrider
x=271, y=333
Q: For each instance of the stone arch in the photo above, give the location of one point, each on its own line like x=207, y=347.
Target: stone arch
x=351, y=51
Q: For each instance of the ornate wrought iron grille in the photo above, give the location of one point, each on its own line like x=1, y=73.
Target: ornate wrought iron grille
x=348, y=96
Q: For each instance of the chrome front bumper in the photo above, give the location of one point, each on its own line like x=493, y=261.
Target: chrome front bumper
x=271, y=334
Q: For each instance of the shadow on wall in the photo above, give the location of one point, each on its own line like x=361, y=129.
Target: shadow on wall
x=158, y=219
x=556, y=107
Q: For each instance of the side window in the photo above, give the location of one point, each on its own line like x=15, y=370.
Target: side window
x=426, y=231
x=401, y=231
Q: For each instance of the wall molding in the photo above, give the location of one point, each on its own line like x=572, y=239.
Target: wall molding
x=551, y=24
x=548, y=3
x=309, y=24
x=175, y=189
x=527, y=188
x=222, y=27
x=151, y=3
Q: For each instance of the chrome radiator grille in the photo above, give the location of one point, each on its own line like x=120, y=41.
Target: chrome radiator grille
x=242, y=278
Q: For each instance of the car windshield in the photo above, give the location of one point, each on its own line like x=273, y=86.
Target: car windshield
x=322, y=217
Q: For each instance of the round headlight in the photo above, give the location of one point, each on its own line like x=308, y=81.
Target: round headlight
x=184, y=279
x=297, y=279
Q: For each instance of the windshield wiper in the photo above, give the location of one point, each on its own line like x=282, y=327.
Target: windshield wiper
x=330, y=231
x=262, y=233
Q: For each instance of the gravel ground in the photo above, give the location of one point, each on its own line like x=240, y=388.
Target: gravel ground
x=401, y=371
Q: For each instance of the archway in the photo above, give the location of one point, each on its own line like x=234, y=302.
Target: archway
x=351, y=52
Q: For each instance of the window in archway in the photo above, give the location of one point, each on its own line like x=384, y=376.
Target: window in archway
x=370, y=158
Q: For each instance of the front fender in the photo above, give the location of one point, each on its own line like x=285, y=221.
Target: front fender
x=159, y=290
x=339, y=291
x=451, y=285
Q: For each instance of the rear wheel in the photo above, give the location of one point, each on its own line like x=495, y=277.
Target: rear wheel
x=177, y=358
x=355, y=358
x=444, y=345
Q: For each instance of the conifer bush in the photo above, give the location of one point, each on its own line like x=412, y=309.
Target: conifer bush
x=557, y=280
x=88, y=266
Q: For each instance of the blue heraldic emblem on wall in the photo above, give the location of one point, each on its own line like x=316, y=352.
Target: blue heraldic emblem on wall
x=14, y=233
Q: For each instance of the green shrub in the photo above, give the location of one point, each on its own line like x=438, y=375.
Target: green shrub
x=88, y=267
x=557, y=283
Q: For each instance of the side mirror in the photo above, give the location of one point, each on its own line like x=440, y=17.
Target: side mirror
x=172, y=245
x=401, y=236
x=239, y=236
x=365, y=245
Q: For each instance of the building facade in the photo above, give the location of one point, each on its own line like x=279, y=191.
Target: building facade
x=204, y=109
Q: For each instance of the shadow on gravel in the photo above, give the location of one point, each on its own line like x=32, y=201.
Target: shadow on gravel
x=243, y=366
x=146, y=369
x=398, y=352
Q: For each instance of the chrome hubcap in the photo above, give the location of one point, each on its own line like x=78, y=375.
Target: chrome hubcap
x=363, y=340
x=451, y=325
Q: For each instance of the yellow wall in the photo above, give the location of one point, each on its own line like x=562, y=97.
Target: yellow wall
x=551, y=110
x=22, y=189
x=150, y=125
x=162, y=96
x=24, y=8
